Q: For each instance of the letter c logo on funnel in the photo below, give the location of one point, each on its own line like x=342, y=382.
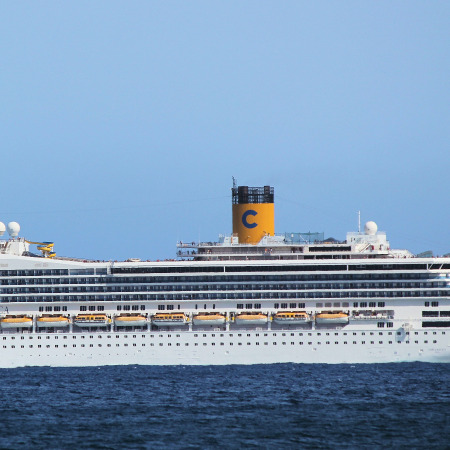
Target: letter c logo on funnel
x=250, y=212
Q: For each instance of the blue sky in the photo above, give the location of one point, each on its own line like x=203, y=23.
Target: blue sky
x=122, y=123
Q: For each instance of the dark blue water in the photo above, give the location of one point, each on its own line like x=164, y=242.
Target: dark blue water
x=267, y=406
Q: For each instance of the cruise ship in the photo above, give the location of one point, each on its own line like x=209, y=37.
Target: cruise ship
x=252, y=297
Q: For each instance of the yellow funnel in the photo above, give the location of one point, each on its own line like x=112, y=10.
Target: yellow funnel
x=253, y=213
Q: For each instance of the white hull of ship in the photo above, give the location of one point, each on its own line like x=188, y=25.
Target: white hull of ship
x=128, y=350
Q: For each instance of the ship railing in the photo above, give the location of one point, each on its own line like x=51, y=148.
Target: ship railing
x=256, y=251
x=187, y=244
x=186, y=254
x=371, y=316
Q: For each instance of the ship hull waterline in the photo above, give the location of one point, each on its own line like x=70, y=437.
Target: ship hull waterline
x=210, y=354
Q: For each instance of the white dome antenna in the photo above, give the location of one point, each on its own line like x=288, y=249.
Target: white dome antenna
x=13, y=229
x=370, y=228
x=2, y=228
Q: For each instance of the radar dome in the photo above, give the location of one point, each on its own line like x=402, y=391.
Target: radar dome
x=13, y=229
x=370, y=228
x=2, y=228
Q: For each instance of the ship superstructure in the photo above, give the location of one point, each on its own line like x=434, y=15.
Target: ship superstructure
x=252, y=297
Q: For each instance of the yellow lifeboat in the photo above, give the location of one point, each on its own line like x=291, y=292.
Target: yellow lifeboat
x=337, y=317
x=91, y=320
x=291, y=317
x=209, y=319
x=250, y=318
x=130, y=320
x=49, y=320
x=16, y=322
x=169, y=319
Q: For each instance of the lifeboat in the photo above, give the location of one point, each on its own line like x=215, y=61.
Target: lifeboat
x=169, y=319
x=291, y=317
x=48, y=320
x=16, y=322
x=250, y=318
x=130, y=320
x=332, y=318
x=209, y=319
x=91, y=320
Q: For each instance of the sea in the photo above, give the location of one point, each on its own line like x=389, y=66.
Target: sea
x=279, y=406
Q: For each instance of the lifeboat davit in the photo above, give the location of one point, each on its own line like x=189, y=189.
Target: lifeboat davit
x=16, y=322
x=49, y=320
x=332, y=318
x=91, y=320
x=130, y=320
x=250, y=318
x=209, y=319
x=169, y=319
x=291, y=317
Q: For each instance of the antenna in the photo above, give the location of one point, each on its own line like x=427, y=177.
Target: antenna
x=359, y=221
x=234, y=183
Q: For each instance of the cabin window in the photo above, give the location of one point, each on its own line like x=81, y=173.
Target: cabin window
x=430, y=313
x=83, y=308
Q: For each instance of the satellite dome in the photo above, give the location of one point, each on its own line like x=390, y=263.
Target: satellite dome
x=370, y=228
x=2, y=228
x=13, y=229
